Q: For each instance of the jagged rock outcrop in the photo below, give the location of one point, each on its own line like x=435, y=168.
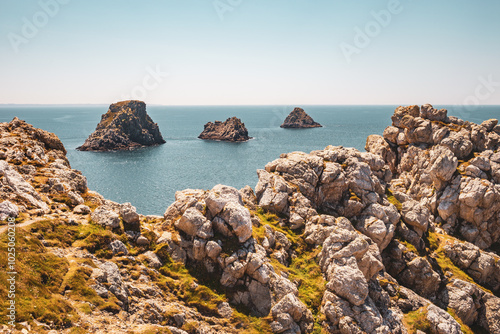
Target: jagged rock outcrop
x=214, y=230
x=299, y=119
x=447, y=165
x=34, y=170
x=232, y=129
x=125, y=126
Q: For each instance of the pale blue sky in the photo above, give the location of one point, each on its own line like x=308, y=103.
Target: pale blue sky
x=260, y=52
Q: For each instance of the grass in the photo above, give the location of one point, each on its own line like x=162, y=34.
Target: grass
x=55, y=232
x=76, y=281
x=95, y=239
x=204, y=294
x=353, y=196
x=409, y=247
x=39, y=277
x=90, y=236
x=178, y=280
x=64, y=199
x=303, y=267
x=43, y=277
x=436, y=243
x=152, y=330
x=463, y=327
x=417, y=320
x=393, y=200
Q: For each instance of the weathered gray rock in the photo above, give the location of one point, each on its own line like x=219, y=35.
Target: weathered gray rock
x=118, y=247
x=260, y=297
x=111, y=275
x=376, y=144
x=8, y=209
x=420, y=277
x=238, y=217
x=20, y=187
x=416, y=215
x=152, y=259
x=81, y=209
x=142, y=241
x=427, y=111
x=129, y=214
x=103, y=215
x=441, y=321
x=191, y=221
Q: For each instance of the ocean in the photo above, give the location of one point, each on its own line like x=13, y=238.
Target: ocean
x=149, y=177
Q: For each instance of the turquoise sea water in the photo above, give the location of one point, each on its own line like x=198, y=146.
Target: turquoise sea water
x=149, y=177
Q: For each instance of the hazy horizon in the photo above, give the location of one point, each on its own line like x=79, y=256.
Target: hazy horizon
x=240, y=52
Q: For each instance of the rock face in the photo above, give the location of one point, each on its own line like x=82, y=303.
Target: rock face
x=233, y=129
x=125, y=126
x=298, y=119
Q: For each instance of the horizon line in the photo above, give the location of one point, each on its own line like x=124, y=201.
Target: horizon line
x=237, y=105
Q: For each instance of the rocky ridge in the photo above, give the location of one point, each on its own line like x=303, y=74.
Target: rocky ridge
x=298, y=118
x=336, y=240
x=232, y=129
x=126, y=125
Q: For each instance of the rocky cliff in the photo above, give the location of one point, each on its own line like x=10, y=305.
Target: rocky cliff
x=125, y=126
x=232, y=129
x=402, y=238
x=299, y=119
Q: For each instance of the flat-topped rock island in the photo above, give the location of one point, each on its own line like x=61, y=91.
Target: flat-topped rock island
x=232, y=129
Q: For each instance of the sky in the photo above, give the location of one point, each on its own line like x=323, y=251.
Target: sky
x=250, y=52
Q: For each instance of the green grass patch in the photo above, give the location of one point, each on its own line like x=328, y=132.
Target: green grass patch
x=95, y=239
x=436, y=243
x=39, y=277
x=393, y=200
x=303, y=266
x=465, y=329
x=55, y=231
x=417, y=320
x=178, y=280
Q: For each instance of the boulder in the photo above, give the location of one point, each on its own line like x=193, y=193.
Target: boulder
x=8, y=209
x=118, y=247
x=81, y=209
x=129, y=214
x=104, y=216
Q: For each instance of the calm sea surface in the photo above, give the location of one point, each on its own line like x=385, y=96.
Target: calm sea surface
x=149, y=178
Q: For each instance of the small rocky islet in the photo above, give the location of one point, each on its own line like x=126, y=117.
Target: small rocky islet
x=401, y=238
x=126, y=125
x=232, y=129
x=299, y=119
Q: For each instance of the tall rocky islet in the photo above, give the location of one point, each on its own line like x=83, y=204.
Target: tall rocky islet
x=400, y=238
x=125, y=125
x=299, y=119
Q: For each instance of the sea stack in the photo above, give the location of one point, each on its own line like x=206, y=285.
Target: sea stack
x=233, y=129
x=126, y=125
x=298, y=119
